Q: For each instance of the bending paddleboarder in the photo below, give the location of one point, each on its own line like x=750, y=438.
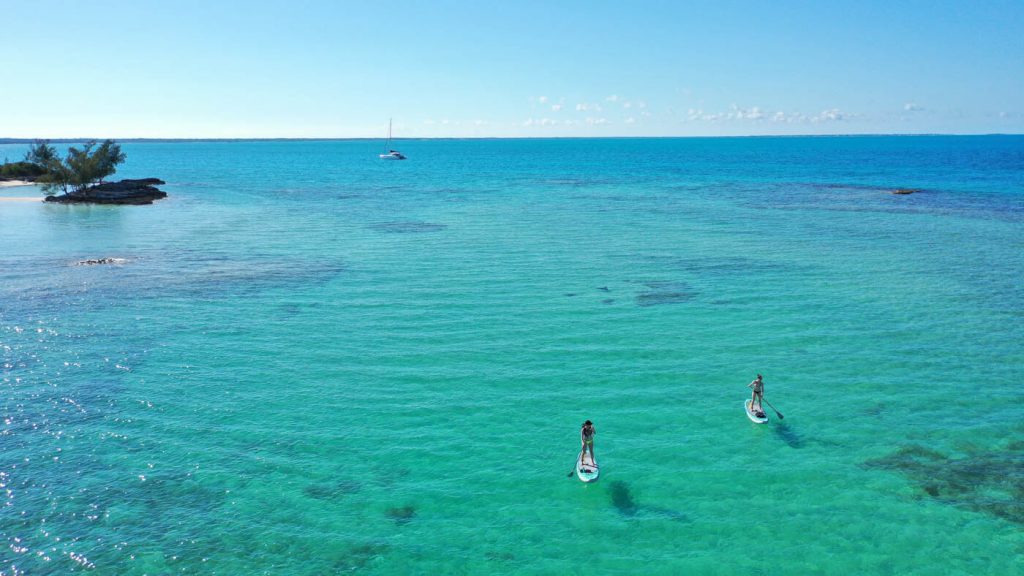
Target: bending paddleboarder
x=587, y=433
x=757, y=396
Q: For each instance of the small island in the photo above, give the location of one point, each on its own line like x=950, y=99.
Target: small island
x=79, y=178
x=141, y=191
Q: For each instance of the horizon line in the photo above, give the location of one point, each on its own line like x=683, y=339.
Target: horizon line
x=60, y=140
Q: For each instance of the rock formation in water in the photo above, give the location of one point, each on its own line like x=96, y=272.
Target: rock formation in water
x=141, y=191
x=95, y=261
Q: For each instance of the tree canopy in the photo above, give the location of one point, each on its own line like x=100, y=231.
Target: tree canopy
x=40, y=153
x=83, y=167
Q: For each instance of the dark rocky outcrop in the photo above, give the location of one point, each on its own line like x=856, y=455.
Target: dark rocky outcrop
x=95, y=261
x=904, y=191
x=140, y=191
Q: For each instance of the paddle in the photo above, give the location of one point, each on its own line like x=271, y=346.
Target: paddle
x=779, y=414
x=573, y=471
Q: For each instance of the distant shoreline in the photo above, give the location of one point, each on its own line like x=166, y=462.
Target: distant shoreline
x=426, y=138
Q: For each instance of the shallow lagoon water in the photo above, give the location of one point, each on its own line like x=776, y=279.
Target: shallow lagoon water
x=314, y=362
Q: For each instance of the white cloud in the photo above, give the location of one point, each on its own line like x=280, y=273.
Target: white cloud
x=630, y=120
x=788, y=117
x=757, y=114
x=738, y=113
x=542, y=122
x=587, y=107
x=556, y=107
x=612, y=98
x=831, y=115
x=429, y=122
x=912, y=107
x=597, y=121
x=542, y=99
x=627, y=104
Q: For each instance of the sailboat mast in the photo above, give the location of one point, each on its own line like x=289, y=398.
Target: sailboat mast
x=387, y=147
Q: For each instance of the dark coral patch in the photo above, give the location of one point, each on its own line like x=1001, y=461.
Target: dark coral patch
x=331, y=490
x=359, y=557
x=665, y=293
x=402, y=514
x=991, y=482
x=407, y=227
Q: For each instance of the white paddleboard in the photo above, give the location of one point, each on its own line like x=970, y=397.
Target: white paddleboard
x=753, y=417
x=587, y=470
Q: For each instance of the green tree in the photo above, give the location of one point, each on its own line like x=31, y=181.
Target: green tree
x=40, y=153
x=82, y=168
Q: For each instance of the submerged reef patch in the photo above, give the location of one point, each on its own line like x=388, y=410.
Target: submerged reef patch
x=990, y=482
x=407, y=227
x=357, y=557
x=402, y=514
x=331, y=490
x=665, y=293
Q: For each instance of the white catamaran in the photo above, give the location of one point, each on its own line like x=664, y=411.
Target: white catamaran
x=390, y=154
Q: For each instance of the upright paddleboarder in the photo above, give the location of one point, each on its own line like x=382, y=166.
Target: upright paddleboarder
x=587, y=470
x=587, y=439
x=757, y=395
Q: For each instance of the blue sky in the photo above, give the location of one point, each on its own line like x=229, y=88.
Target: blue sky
x=514, y=68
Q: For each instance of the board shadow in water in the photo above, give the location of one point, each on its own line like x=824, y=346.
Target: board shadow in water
x=788, y=435
x=626, y=504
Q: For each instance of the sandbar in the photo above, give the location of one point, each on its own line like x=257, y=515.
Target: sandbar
x=14, y=183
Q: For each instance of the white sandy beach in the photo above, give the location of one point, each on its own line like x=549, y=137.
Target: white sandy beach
x=14, y=183
x=20, y=199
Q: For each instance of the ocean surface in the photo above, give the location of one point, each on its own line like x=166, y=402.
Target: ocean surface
x=311, y=361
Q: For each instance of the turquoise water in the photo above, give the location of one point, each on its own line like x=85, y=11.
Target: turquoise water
x=315, y=362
